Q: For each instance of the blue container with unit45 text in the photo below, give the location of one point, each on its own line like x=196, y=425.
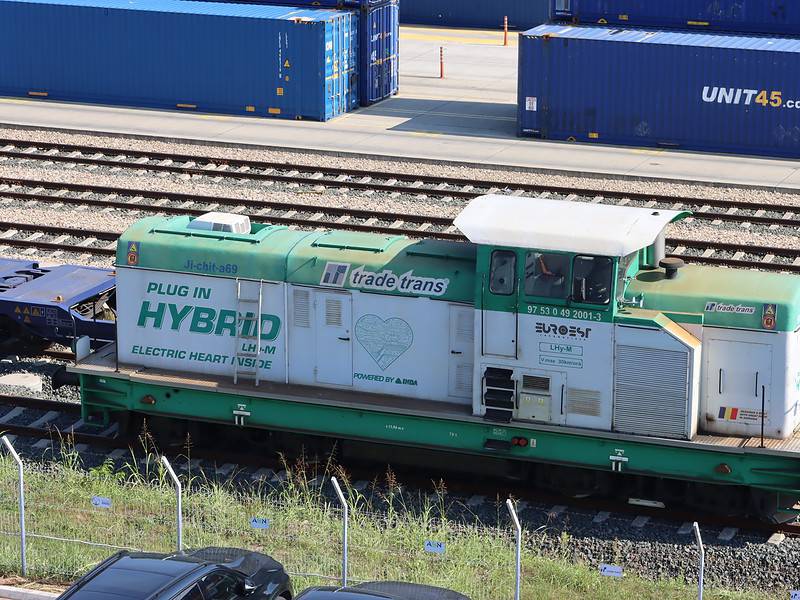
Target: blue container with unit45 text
x=668, y=89
x=277, y=61
x=746, y=16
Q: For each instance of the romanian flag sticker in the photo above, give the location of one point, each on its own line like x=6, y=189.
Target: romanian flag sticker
x=728, y=413
x=769, y=314
x=133, y=253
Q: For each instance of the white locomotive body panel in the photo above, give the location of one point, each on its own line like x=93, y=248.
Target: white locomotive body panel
x=191, y=323
x=337, y=338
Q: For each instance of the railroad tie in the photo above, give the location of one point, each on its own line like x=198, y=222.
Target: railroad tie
x=601, y=517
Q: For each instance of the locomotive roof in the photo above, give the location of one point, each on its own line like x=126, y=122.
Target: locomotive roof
x=563, y=225
x=390, y=264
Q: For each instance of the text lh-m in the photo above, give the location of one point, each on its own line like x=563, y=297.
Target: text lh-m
x=206, y=320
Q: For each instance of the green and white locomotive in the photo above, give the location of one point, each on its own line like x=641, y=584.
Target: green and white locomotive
x=558, y=341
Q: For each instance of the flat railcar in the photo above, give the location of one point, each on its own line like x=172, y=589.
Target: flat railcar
x=43, y=305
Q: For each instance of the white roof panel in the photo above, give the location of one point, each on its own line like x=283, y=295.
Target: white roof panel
x=579, y=227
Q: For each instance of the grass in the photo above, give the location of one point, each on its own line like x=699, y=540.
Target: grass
x=304, y=534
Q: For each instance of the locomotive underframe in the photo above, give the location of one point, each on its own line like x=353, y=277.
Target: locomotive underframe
x=110, y=392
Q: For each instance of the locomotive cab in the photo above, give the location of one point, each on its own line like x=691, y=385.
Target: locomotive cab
x=581, y=321
x=558, y=339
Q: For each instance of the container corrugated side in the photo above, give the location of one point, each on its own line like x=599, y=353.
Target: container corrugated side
x=522, y=14
x=719, y=93
x=747, y=16
x=379, y=42
x=227, y=58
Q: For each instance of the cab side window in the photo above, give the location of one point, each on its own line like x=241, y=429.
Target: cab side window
x=220, y=586
x=591, y=279
x=546, y=274
x=502, y=272
x=193, y=593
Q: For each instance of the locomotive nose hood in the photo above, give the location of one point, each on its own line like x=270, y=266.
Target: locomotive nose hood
x=725, y=297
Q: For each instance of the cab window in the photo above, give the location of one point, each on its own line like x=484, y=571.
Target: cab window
x=591, y=279
x=501, y=272
x=546, y=274
x=193, y=593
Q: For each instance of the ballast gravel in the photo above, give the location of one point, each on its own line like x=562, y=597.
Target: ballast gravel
x=42, y=368
x=510, y=175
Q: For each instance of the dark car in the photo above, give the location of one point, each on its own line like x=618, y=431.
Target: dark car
x=381, y=590
x=206, y=574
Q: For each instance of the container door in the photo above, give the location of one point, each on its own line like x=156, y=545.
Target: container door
x=334, y=348
x=462, y=340
x=738, y=380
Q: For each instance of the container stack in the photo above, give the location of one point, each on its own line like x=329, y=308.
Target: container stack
x=378, y=42
x=263, y=60
x=715, y=76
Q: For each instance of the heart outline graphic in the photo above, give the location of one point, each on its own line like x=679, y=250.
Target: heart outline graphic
x=385, y=340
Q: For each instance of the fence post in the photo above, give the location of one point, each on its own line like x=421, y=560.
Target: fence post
x=505, y=31
x=21, y=477
x=441, y=62
x=178, y=503
x=518, y=561
x=345, y=518
x=702, y=550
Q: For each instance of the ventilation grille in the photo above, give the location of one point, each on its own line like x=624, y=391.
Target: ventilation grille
x=302, y=308
x=583, y=402
x=463, y=382
x=465, y=327
x=333, y=312
x=651, y=389
x=532, y=383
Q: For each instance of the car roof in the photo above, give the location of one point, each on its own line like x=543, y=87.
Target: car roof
x=410, y=591
x=381, y=590
x=135, y=576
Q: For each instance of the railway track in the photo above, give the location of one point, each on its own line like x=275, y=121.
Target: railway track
x=52, y=421
x=81, y=241
x=48, y=422
x=323, y=177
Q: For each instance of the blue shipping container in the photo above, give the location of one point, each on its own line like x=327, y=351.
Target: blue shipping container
x=229, y=58
x=522, y=14
x=379, y=54
x=722, y=93
x=379, y=40
x=748, y=16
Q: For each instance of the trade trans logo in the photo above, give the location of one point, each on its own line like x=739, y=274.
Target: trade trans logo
x=731, y=309
x=335, y=275
x=747, y=97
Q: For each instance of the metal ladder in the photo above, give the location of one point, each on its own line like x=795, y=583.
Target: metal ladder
x=244, y=318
